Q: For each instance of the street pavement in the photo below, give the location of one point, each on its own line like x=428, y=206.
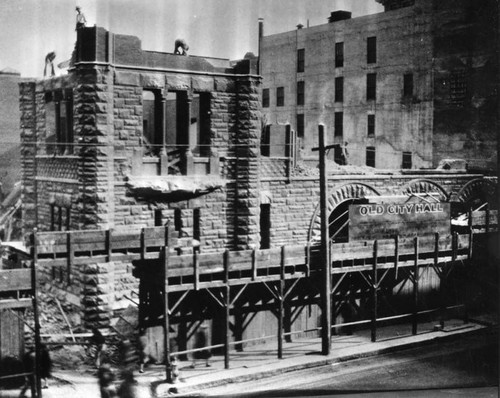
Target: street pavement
x=261, y=361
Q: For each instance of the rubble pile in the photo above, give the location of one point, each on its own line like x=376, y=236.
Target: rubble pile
x=303, y=169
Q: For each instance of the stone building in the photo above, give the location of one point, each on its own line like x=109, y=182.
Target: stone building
x=405, y=88
x=132, y=138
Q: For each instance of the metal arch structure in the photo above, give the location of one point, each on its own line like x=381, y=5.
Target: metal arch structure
x=422, y=185
x=343, y=193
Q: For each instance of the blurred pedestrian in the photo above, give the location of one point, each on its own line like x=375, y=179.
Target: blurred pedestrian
x=142, y=347
x=201, y=341
x=106, y=379
x=127, y=354
x=98, y=340
x=128, y=385
x=29, y=367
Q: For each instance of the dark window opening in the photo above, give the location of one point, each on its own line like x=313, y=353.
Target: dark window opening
x=152, y=134
x=371, y=125
x=371, y=86
x=339, y=125
x=338, y=221
x=280, y=96
x=265, y=141
x=265, y=226
x=339, y=55
x=197, y=224
x=300, y=125
x=59, y=122
x=371, y=53
x=339, y=89
x=57, y=220
x=407, y=164
x=408, y=85
x=300, y=60
x=300, y=92
x=178, y=220
x=458, y=87
x=265, y=98
x=200, y=125
x=370, y=156
x=158, y=218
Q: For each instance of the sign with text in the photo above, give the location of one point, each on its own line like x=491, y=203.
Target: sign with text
x=386, y=220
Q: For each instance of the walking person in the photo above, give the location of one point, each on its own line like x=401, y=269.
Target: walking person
x=201, y=341
x=98, y=340
x=142, y=347
x=29, y=367
x=106, y=378
x=128, y=385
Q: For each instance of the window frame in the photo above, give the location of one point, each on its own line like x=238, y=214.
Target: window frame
x=371, y=50
x=407, y=160
x=370, y=156
x=301, y=92
x=338, y=129
x=280, y=96
x=339, y=54
x=265, y=98
x=370, y=125
x=371, y=86
x=301, y=57
x=339, y=89
x=408, y=85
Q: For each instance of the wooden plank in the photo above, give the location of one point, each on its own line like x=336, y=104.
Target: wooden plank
x=14, y=303
x=15, y=279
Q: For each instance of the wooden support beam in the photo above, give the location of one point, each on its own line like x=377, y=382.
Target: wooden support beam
x=281, y=300
x=415, y=290
x=34, y=293
x=166, y=315
x=396, y=256
x=109, y=246
x=227, y=308
x=374, y=293
x=70, y=258
x=196, y=270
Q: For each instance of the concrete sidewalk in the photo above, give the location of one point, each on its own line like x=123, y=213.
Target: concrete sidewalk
x=261, y=361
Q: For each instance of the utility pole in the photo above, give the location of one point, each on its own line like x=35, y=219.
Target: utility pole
x=326, y=305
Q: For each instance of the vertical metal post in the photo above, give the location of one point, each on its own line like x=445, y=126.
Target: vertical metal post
x=415, y=289
x=228, y=308
x=281, y=299
x=34, y=291
x=166, y=316
x=326, y=331
x=374, y=292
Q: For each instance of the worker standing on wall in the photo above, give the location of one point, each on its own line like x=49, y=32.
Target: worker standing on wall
x=80, y=18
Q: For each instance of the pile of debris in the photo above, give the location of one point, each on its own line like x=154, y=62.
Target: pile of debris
x=304, y=169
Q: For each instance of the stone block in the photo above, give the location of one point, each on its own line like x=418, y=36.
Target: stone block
x=153, y=80
x=127, y=78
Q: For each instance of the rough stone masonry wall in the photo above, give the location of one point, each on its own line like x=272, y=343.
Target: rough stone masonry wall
x=93, y=120
x=293, y=204
x=28, y=153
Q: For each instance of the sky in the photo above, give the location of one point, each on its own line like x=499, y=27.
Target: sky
x=29, y=29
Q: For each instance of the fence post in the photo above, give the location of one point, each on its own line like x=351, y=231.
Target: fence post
x=415, y=289
x=228, y=308
x=166, y=316
x=281, y=299
x=34, y=292
x=374, y=292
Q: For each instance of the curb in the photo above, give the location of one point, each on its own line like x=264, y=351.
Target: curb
x=179, y=390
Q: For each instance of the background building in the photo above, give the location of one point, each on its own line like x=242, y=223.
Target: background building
x=404, y=88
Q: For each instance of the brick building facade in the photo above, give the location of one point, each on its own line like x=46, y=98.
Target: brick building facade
x=404, y=88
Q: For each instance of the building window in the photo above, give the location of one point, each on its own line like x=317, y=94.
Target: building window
x=265, y=141
x=371, y=86
x=339, y=125
x=300, y=125
x=265, y=226
x=200, y=125
x=339, y=55
x=458, y=87
x=265, y=98
x=59, y=122
x=178, y=220
x=407, y=160
x=197, y=224
x=152, y=134
x=300, y=92
x=300, y=60
x=371, y=50
x=158, y=218
x=371, y=125
x=60, y=218
x=339, y=89
x=408, y=85
x=280, y=96
x=370, y=156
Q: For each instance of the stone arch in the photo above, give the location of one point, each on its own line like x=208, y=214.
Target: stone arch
x=422, y=185
x=340, y=195
x=477, y=192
